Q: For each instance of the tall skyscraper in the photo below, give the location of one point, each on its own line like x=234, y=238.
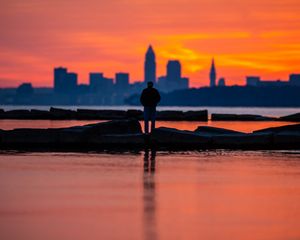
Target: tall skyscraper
x=150, y=66
x=173, y=80
x=100, y=84
x=60, y=74
x=213, y=74
x=173, y=70
x=64, y=81
x=122, y=82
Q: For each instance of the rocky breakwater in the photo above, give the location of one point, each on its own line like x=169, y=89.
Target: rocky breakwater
x=127, y=134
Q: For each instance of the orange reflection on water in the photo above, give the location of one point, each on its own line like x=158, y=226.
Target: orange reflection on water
x=244, y=126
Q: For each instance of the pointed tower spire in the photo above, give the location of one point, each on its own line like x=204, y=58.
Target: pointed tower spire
x=150, y=65
x=212, y=74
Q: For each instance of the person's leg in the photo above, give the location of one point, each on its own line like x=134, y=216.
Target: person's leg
x=146, y=119
x=153, y=116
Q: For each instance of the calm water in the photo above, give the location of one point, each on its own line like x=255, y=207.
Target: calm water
x=270, y=111
x=163, y=195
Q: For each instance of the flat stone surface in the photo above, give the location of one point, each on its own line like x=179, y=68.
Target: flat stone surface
x=215, y=130
x=164, y=135
x=293, y=127
x=293, y=117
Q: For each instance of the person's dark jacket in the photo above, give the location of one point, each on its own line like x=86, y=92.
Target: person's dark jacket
x=150, y=97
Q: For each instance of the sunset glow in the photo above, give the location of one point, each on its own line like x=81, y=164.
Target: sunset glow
x=257, y=37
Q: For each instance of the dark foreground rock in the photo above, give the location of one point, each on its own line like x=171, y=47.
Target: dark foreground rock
x=94, y=136
x=285, y=136
x=287, y=128
x=240, y=117
x=127, y=134
x=171, y=137
x=292, y=118
x=168, y=137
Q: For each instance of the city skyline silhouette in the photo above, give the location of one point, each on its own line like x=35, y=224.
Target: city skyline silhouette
x=246, y=38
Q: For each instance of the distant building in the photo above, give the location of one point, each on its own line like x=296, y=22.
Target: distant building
x=64, y=82
x=150, y=66
x=252, y=81
x=100, y=84
x=294, y=79
x=25, y=89
x=221, y=82
x=72, y=82
x=273, y=83
x=173, y=80
x=122, y=81
x=173, y=70
x=255, y=81
x=59, y=78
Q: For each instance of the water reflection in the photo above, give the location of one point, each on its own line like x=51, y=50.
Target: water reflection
x=149, y=195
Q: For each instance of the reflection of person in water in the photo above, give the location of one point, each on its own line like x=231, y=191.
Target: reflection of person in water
x=149, y=166
x=149, y=195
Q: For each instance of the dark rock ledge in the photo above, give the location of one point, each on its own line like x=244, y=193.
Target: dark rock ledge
x=127, y=135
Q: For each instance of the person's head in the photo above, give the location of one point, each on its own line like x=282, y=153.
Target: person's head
x=149, y=84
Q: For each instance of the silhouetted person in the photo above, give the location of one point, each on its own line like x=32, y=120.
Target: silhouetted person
x=150, y=97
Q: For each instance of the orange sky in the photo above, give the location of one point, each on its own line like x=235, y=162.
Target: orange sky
x=249, y=37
